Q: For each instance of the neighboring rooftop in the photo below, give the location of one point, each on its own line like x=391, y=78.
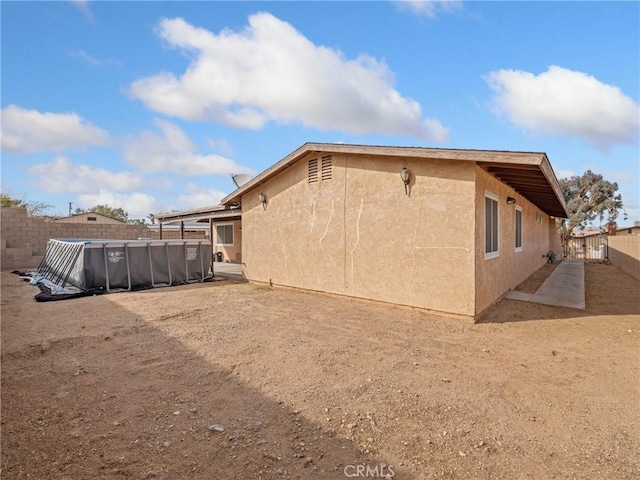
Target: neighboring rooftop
x=215, y=212
x=86, y=217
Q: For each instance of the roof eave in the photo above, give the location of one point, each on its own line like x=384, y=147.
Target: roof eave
x=290, y=159
x=197, y=213
x=416, y=152
x=547, y=171
x=479, y=156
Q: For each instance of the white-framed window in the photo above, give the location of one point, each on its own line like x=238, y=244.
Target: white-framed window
x=491, y=226
x=224, y=233
x=518, y=229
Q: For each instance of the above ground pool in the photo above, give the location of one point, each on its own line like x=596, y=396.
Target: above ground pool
x=91, y=264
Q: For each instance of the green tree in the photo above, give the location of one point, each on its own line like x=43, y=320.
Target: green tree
x=34, y=208
x=590, y=197
x=9, y=201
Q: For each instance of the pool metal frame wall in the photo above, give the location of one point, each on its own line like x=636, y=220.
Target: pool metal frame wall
x=153, y=284
x=59, y=259
x=62, y=256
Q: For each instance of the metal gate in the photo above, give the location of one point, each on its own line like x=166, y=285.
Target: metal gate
x=590, y=248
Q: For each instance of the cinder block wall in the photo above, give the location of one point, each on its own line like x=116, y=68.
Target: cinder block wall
x=624, y=253
x=24, y=238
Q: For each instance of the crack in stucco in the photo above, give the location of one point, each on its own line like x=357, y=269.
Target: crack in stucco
x=413, y=253
x=282, y=241
x=344, y=223
x=326, y=229
x=355, y=245
x=313, y=216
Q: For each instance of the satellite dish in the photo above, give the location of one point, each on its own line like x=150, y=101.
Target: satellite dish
x=240, y=179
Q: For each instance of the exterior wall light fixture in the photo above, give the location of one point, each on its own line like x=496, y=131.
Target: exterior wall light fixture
x=263, y=198
x=405, y=176
x=511, y=201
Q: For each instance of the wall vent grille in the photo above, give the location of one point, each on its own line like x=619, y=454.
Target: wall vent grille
x=313, y=170
x=326, y=168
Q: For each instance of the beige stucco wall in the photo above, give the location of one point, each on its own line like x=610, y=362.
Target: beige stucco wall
x=624, y=253
x=360, y=235
x=555, y=242
x=495, y=276
x=230, y=253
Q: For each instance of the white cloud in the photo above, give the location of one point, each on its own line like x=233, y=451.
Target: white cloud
x=270, y=72
x=136, y=204
x=62, y=175
x=83, y=6
x=29, y=131
x=173, y=151
x=568, y=103
x=91, y=60
x=199, y=196
x=221, y=145
x=430, y=8
x=563, y=173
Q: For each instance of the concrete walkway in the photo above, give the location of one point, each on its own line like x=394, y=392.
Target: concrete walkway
x=232, y=271
x=563, y=288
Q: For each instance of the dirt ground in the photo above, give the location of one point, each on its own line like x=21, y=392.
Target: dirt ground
x=237, y=381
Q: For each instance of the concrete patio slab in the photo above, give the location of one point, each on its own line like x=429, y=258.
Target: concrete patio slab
x=232, y=271
x=564, y=287
x=523, y=297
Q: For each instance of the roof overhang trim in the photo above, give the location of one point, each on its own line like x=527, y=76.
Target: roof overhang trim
x=528, y=173
x=201, y=214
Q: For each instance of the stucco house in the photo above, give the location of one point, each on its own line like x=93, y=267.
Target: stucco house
x=632, y=230
x=440, y=229
x=90, y=217
x=225, y=229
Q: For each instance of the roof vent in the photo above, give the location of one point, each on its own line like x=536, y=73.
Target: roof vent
x=313, y=170
x=326, y=168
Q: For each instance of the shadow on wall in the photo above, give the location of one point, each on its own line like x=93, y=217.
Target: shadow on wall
x=624, y=253
x=608, y=291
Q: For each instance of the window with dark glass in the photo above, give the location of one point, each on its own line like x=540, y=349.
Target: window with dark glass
x=225, y=234
x=490, y=226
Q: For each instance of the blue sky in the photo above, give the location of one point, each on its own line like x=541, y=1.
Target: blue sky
x=149, y=106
